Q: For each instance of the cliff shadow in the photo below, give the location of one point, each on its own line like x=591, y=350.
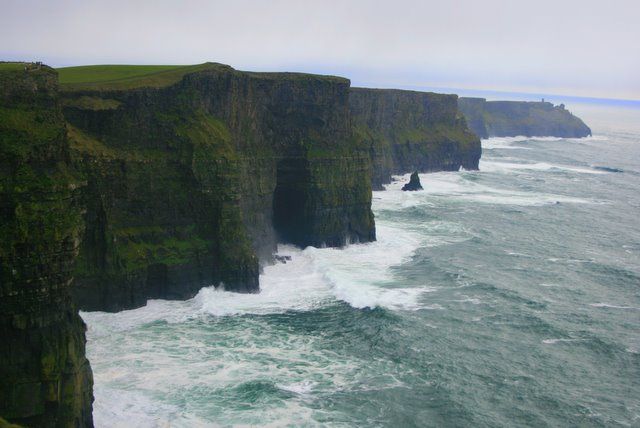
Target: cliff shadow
x=290, y=201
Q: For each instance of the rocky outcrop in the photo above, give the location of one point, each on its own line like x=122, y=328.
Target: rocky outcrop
x=45, y=378
x=513, y=118
x=193, y=184
x=413, y=184
x=408, y=131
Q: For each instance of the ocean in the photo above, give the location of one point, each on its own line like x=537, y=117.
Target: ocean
x=508, y=296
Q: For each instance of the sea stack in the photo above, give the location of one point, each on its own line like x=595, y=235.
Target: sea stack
x=414, y=183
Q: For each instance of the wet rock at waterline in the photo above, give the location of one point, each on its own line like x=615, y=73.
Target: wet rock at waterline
x=413, y=184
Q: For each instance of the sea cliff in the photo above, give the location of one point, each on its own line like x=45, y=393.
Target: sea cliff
x=408, y=131
x=45, y=378
x=512, y=118
x=194, y=183
x=141, y=186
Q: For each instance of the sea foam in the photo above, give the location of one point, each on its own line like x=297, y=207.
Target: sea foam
x=460, y=186
x=358, y=275
x=493, y=166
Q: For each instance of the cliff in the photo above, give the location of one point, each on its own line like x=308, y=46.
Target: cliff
x=126, y=183
x=45, y=379
x=412, y=131
x=512, y=118
x=193, y=182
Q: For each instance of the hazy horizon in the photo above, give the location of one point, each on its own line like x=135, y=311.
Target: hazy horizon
x=581, y=49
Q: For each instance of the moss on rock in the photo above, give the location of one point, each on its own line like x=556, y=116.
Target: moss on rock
x=189, y=183
x=45, y=378
x=407, y=131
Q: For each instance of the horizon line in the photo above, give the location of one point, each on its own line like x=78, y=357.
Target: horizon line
x=482, y=93
x=628, y=102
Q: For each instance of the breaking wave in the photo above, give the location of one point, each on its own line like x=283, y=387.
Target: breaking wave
x=480, y=281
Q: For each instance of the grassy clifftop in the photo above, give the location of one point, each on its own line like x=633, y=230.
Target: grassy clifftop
x=11, y=66
x=122, y=77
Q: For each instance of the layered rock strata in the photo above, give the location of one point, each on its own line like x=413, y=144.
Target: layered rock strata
x=194, y=184
x=409, y=131
x=45, y=378
x=113, y=194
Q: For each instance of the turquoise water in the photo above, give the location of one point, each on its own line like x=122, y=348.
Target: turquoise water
x=505, y=297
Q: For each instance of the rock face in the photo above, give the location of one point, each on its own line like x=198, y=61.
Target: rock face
x=194, y=183
x=512, y=118
x=413, y=184
x=45, y=378
x=114, y=194
x=408, y=131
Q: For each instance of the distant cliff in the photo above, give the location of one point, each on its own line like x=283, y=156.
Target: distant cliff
x=512, y=118
x=408, y=131
x=45, y=378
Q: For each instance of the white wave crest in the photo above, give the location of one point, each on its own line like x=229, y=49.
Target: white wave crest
x=492, y=166
x=508, y=143
x=610, y=306
x=457, y=186
x=358, y=275
x=118, y=408
x=554, y=341
x=517, y=139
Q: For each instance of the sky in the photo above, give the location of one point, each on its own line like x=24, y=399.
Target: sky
x=588, y=48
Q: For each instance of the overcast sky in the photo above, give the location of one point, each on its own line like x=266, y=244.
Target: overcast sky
x=585, y=48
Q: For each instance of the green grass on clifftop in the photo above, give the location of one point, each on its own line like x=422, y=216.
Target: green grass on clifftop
x=120, y=77
x=123, y=77
x=11, y=66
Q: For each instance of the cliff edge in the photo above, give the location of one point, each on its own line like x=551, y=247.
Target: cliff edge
x=45, y=378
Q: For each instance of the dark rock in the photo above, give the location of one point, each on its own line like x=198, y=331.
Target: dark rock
x=413, y=184
x=194, y=183
x=132, y=193
x=282, y=259
x=45, y=378
x=5, y=424
x=407, y=131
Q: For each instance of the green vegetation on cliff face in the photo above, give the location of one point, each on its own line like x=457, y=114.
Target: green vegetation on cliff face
x=45, y=379
x=161, y=222
x=5, y=424
x=407, y=131
x=512, y=118
x=133, y=183
x=193, y=183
